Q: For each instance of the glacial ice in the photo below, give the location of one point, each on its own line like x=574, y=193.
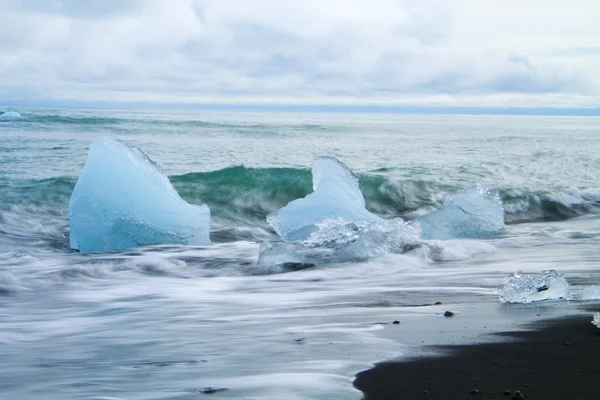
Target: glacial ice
x=332, y=224
x=589, y=293
x=596, y=320
x=336, y=195
x=336, y=240
x=519, y=288
x=10, y=115
x=123, y=199
x=476, y=213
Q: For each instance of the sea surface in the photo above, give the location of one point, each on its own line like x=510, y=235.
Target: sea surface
x=174, y=322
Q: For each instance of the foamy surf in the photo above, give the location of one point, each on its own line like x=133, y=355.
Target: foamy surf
x=180, y=320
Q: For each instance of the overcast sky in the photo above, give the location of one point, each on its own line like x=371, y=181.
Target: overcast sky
x=391, y=52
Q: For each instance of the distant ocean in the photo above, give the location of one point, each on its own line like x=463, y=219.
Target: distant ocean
x=172, y=321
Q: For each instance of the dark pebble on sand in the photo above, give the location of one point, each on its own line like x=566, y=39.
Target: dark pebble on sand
x=517, y=395
x=438, y=303
x=564, y=343
x=426, y=392
x=396, y=322
x=507, y=392
x=448, y=314
x=474, y=391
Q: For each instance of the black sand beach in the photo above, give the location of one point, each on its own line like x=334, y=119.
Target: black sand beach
x=560, y=359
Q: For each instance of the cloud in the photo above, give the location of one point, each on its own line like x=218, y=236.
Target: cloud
x=302, y=51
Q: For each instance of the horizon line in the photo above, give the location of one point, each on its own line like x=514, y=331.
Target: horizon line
x=326, y=108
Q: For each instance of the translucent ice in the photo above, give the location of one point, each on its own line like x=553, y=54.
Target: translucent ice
x=519, y=288
x=477, y=213
x=589, y=293
x=123, y=199
x=337, y=240
x=336, y=195
x=10, y=115
x=274, y=257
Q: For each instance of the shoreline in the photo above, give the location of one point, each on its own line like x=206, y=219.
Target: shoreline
x=558, y=358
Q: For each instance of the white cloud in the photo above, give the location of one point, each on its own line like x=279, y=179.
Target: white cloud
x=454, y=52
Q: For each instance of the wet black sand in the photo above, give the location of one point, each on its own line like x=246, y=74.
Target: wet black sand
x=560, y=359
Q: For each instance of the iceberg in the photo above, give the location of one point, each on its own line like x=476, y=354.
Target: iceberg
x=519, y=288
x=476, y=213
x=10, y=115
x=123, y=199
x=336, y=195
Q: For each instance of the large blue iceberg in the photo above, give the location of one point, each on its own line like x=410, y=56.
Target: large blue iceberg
x=123, y=199
x=477, y=213
x=336, y=195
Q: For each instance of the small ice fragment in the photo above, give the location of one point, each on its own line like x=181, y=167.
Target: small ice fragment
x=519, y=288
x=10, y=115
x=476, y=213
x=336, y=196
x=596, y=320
x=123, y=199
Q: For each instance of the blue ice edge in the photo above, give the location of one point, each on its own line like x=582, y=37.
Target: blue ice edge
x=123, y=199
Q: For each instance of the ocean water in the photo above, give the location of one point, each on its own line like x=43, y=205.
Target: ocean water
x=168, y=322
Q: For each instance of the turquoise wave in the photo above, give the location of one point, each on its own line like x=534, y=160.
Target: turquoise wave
x=245, y=196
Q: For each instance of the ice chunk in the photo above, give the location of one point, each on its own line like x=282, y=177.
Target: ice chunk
x=476, y=213
x=366, y=239
x=589, y=293
x=519, y=288
x=596, y=320
x=337, y=240
x=336, y=195
x=123, y=199
x=276, y=257
x=10, y=115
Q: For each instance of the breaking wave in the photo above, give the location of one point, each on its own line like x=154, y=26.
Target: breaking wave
x=245, y=196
